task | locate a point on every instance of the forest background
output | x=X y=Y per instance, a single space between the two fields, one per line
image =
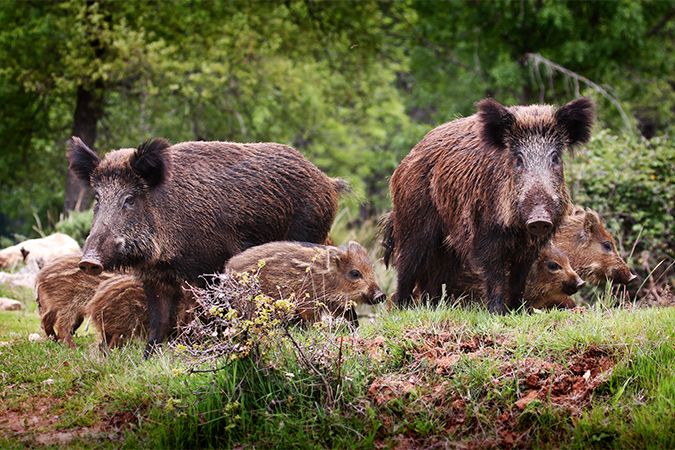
x=353 y=85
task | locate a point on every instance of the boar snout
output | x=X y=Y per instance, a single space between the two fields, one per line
x=91 y=264
x=378 y=297
x=539 y=222
x=580 y=283
x=571 y=287
x=624 y=277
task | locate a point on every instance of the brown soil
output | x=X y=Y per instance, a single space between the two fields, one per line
x=35 y=422
x=569 y=384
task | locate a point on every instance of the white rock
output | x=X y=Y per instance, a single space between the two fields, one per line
x=7 y=304
x=39 y=250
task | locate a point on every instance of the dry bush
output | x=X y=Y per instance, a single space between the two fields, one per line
x=233 y=318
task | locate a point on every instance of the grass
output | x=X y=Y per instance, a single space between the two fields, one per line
x=424 y=377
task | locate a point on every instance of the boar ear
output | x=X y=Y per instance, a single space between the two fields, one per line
x=496 y=122
x=354 y=246
x=336 y=256
x=576 y=120
x=592 y=223
x=151 y=161
x=82 y=160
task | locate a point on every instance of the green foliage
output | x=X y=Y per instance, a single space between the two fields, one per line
x=77 y=225
x=484 y=53
x=423 y=376
x=631 y=183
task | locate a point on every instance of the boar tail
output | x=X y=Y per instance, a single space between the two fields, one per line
x=342 y=186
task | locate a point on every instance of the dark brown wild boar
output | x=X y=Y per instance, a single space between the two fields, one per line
x=487 y=191
x=551 y=281
x=323 y=280
x=62 y=293
x=175 y=212
x=591 y=249
x=119 y=311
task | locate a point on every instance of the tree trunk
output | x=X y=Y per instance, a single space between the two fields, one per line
x=88 y=111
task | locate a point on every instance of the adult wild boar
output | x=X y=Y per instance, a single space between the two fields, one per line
x=321 y=279
x=591 y=249
x=486 y=190
x=175 y=212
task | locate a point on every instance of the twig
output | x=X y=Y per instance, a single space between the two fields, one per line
x=538 y=59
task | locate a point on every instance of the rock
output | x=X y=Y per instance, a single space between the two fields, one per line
x=7 y=304
x=38 y=250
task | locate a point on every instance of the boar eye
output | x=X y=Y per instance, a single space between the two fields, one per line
x=355 y=274
x=554 y=266
x=555 y=159
x=129 y=200
x=607 y=246
x=519 y=160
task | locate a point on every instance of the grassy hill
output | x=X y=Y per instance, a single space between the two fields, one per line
x=449 y=377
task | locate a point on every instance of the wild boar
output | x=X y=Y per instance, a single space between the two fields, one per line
x=174 y=212
x=62 y=293
x=322 y=279
x=119 y=311
x=487 y=191
x=551 y=281
x=591 y=249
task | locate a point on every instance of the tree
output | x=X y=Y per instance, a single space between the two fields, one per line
x=469 y=50
x=310 y=74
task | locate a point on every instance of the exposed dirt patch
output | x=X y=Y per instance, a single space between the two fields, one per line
x=570 y=386
x=567 y=383
x=36 y=422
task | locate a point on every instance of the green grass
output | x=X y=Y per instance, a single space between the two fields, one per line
x=419 y=377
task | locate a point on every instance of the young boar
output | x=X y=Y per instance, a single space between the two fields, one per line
x=119 y=311
x=62 y=293
x=487 y=191
x=330 y=280
x=591 y=249
x=175 y=212
x=551 y=281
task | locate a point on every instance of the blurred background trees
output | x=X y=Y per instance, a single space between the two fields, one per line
x=353 y=85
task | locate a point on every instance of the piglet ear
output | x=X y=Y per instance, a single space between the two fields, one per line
x=575 y=119
x=152 y=162
x=592 y=223
x=82 y=160
x=335 y=257
x=496 y=122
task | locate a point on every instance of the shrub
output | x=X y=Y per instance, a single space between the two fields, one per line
x=631 y=183
x=77 y=225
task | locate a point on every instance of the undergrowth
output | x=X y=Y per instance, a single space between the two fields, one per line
x=424 y=377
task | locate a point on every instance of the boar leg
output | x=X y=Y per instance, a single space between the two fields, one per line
x=162 y=303
x=443 y=272
x=66 y=329
x=516 y=288
x=404 y=292
x=490 y=262
x=68 y=340
x=48 y=324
